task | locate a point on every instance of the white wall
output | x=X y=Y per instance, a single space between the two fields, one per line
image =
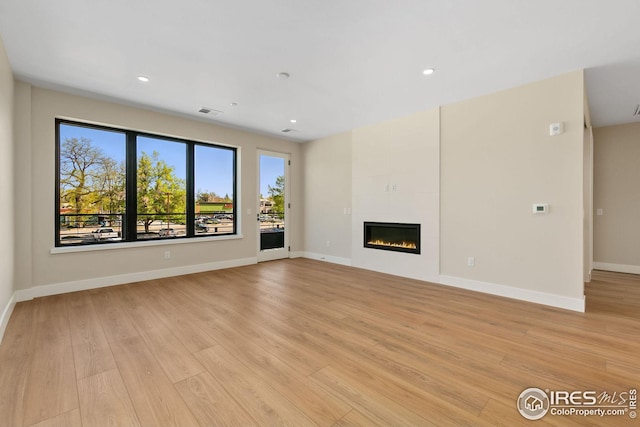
x=497 y=159
x=401 y=153
x=327 y=200
x=67 y=271
x=617 y=193
x=7 y=267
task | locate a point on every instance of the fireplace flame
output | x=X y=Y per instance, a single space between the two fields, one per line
x=406 y=245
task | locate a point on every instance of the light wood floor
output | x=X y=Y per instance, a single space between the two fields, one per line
x=300 y=342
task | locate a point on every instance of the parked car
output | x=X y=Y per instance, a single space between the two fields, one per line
x=104 y=233
x=167 y=232
x=200 y=227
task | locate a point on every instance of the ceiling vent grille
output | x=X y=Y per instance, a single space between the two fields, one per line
x=287 y=130
x=211 y=111
x=636 y=113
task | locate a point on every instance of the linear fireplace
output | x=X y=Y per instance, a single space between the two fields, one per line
x=392 y=236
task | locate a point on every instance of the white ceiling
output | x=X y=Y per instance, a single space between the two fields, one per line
x=352 y=62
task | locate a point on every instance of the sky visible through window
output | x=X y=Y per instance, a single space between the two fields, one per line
x=214 y=170
x=111 y=143
x=213 y=166
x=270 y=169
x=173 y=153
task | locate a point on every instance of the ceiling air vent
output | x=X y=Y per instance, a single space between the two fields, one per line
x=287 y=130
x=211 y=111
x=637 y=112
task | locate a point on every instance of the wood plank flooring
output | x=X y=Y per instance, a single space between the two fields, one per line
x=305 y=343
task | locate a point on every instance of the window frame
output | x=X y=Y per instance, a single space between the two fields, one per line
x=129 y=223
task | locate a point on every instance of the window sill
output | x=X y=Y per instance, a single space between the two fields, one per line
x=164 y=242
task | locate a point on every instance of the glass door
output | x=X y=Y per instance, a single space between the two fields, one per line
x=273 y=205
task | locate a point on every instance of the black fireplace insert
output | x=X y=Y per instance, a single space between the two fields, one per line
x=392 y=236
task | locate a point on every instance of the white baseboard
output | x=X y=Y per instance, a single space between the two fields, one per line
x=574 y=304
x=322 y=257
x=619 y=268
x=101 y=282
x=6 y=314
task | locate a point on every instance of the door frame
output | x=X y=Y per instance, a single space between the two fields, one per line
x=273 y=254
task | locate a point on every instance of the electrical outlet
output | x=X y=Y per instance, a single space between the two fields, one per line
x=328 y=243
x=471 y=262
x=167 y=254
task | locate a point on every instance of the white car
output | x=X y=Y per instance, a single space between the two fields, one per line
x=167 y=232
x=104 y=233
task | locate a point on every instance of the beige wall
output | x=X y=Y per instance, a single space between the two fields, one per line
x=469 y=173
x=617 y=193
x=497 y=159
x=395 y=178
x=327 y=190
x=7 y=267
x=23 y=218
x=588 y=202
x=38 y=133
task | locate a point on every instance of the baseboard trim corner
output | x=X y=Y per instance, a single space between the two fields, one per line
x=618 y=268
x=558 y=301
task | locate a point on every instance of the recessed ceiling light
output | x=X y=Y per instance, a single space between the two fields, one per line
x=293 y=120
x=428 y=71
x=143 y=79
x=283 y=75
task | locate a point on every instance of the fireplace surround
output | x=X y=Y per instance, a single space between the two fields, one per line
x=392 y=236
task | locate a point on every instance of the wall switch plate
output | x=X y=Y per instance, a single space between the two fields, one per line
x=599 y=212
x=471 y=262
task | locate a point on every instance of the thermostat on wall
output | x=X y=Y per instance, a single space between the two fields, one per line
x=540 y=208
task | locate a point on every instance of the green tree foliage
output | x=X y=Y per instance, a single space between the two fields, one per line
x=160 y=195
x=111 y=186
x=90 y=181
x=276 y=194
x=93 y=183
x=206 y=196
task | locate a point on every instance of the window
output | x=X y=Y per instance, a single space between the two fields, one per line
x=161 y=195
x=214 y=189
x=122 y=186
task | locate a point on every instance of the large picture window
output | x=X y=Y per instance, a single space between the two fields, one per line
x=122 y=186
